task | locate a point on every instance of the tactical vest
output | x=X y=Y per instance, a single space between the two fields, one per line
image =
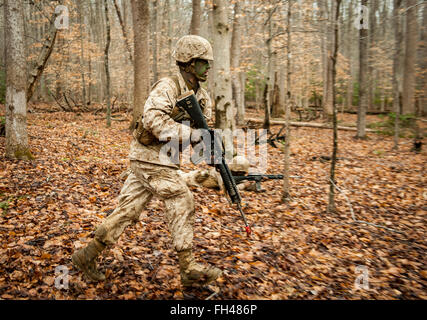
x=145 y=137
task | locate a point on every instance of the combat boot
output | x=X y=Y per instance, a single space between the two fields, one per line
x=193 y=273
x=85 y=258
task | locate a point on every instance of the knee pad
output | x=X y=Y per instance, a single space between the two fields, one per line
x=100 y=233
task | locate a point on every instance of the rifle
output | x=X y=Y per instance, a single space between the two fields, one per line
x=189 y=103
x=260 y=177
x=257 y=178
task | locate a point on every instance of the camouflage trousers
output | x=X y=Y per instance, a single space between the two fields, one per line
x=145 y=181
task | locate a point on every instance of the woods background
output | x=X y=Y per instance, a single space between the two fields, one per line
x=77 y=73
x=74 y=76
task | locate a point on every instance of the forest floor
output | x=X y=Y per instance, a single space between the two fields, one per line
x=50 y=207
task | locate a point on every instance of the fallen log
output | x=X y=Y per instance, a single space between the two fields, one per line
x=306 y=124
x=368 y=112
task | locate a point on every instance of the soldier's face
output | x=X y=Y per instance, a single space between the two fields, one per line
x=201 y=68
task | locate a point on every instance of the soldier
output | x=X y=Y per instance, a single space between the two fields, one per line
x=239 y=166
x=151 y=176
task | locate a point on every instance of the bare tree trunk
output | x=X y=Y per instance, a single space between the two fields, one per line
x=42 y=59
x=408 y=96
x=286 y=188
x=100 y=68
x=381 y=85
x=242 y=93
x=107 y=71
x=92 y=19
x=82 y=53
x=383 y=79
x=422 y=67
x=195 y=18
x=397 y=80
x=363 y=79
x=258 y=94
x=170 y=21
x=331 y=202
x=89 y=87
x=16 y=102
x=281 y=109
x=276 y=102
x=327 y=68
x=154 y=39
x=141 y=88
x=350 y=48
x=269 y=80
x=163 y=35
x=372 y=80
x=235 y=64
x=2 y=53
x=211 y=75
x=225 y=112
x=125 y=35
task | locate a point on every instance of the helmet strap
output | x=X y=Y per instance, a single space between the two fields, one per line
x=187 y=68
x=189 y=77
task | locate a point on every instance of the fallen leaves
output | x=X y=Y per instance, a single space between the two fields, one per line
x=296 y=251
x=394 y=271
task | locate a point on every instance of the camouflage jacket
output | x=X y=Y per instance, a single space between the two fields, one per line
x=160 y=116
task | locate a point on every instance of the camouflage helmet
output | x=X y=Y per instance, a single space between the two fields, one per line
x=192 y=47
x=239 y=164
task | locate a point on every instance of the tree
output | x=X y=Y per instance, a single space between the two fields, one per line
x=349 y=40
x=397 y=80
x=286 y=188
x=331 y=202
x=80 y=4
x=238 y=96
x=170 y=19
x=363 y=76
x=408 y=95
x=124 y=31
x=372 y=39
x=141 y=26
x=422 y=66
x=76 y=65
x=107 y=71
x=16 y=82
x=327 y=47
x=195 y=18
x=269 y=76
x=42 y=59
x=154 y=39
x=224 y=107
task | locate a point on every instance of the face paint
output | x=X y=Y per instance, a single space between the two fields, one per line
x=201 y=68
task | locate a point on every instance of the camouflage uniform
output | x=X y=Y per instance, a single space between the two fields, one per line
x=150 y=176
